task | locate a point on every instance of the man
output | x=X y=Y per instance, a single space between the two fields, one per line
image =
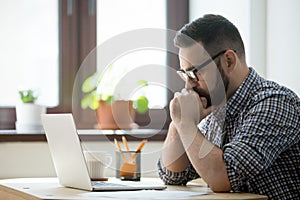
x=248 y=139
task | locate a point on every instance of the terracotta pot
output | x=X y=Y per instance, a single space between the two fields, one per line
x=118 y=115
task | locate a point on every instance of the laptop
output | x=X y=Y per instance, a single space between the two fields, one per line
x=69 y=161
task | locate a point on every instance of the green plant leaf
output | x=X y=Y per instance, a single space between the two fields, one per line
x=90 y=101
x=141 y=104
x=142 y=83
x=107 y=98
x=99 y=86
x=27 y=96
x=89 y=84
x=94 y=104
x=85 y=102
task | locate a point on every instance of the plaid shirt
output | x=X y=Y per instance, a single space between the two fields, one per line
x=262 y=140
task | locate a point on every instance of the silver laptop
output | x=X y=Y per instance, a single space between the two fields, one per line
x=69 y=161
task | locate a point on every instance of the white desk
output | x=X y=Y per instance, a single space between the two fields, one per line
x=49 y=188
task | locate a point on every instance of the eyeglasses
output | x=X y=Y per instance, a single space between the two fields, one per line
x=191 y=72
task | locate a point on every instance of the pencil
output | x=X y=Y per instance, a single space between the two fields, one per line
x=120 y=150
x=126 y=145
x=139 y=148
x=141 y=145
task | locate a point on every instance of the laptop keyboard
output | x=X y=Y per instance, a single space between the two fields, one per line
x=106 y=184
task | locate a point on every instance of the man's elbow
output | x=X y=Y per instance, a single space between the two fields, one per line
x=220 y=187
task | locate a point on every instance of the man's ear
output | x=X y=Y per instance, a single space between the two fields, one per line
x=231 y=59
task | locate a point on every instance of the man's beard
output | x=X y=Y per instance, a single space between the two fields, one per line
x=217 y=95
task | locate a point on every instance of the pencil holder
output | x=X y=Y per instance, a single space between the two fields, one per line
x=128 y=165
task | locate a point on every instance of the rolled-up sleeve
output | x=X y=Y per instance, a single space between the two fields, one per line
x=176 y=178
x=267 y=130
x=242 y=163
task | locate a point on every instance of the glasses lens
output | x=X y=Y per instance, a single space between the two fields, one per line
x=188 y=75
x=191 y=74
x=182 y=75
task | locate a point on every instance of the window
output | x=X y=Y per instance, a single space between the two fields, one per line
x=29 y=49
x=110 y=25
x=71 y=42
x=76 y=37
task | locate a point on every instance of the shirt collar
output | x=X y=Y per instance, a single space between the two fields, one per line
x=238 y=100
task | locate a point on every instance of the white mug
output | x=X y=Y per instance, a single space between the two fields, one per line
x=96 y=162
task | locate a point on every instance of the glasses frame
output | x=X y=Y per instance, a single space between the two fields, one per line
x=191 y=72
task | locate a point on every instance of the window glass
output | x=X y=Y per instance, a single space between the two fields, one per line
x=29 y=50
x=115 y=17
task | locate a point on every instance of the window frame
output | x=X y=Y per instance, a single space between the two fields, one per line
x=77 y=37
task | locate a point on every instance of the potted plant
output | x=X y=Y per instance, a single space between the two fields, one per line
x=114 y=111
x=29 y=113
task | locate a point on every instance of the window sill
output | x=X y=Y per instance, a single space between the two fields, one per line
x=88 y=135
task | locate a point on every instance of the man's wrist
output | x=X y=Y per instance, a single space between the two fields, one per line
x=187 y=127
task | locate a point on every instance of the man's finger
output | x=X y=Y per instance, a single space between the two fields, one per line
x=177 y=94
x=186 y=91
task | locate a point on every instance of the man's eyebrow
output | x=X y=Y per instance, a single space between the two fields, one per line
x=190 y=68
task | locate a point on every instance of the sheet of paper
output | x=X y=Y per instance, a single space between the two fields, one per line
x=146 y=194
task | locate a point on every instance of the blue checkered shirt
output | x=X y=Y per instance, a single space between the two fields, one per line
x=260 y=140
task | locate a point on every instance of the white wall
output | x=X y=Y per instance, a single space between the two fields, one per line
x=33 y=159
x=270 y=30
x=20 y=159
x=283 y=42
x=236 y=11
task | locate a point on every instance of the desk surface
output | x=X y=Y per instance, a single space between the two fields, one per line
x=49 y=188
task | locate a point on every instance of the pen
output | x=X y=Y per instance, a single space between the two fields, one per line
x=120 y=150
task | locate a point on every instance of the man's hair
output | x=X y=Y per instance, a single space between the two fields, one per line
x=215 y=33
